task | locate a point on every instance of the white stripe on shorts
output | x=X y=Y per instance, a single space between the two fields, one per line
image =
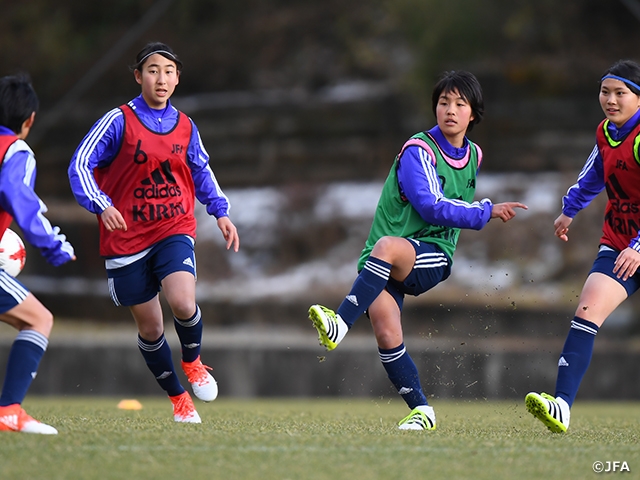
x=431 y=260
x=112 y=292
x=12 y=287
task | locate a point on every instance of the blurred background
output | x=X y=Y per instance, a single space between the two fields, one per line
x=302 y=107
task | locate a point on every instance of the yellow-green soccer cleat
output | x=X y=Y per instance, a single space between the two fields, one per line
x=421 y=418
x=553 y=412
x=331 y=328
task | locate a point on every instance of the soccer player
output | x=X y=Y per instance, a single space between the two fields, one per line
x=18 y=201
x=426 y=199
x=614 y=164
x=139 y=169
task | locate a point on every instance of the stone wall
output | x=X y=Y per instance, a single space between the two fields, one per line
x=463 y=357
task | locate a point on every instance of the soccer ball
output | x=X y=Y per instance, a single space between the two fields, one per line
x=13 y=255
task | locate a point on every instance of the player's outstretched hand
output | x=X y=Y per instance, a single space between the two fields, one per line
x=506 y=211
x=229 y=232
x=113 y=219
x=561 y=226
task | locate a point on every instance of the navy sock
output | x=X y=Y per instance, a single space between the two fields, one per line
x=190 y=334
x=157 y=354
x=403 y=374
x=575 y=358
x=25 y=355
x=366 y=288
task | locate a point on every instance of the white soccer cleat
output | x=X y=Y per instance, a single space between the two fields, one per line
x=13 y=418
x=183 y=409
x=553 y=412
x=203 y=384
x=422 y=417
x=34 y=426
x=331 y=328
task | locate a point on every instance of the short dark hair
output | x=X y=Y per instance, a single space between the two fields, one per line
x=467 y=86
x=18 y=100
x=159 y=48
x=627 y=69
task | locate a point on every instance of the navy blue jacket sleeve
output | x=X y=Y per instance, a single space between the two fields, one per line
x=590 y=183
x=97 y=149
x=208 y=191
x=18 y=198
x=419 y=182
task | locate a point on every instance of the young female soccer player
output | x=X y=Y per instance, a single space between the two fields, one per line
x=139 y=169
x=425 y=201
x=19 y=202
x=613 y=164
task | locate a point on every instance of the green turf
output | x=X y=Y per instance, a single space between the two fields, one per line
x=316 y=439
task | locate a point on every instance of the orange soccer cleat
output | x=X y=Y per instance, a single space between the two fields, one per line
x=13 y=418
x=203 y=384
x=183 y=409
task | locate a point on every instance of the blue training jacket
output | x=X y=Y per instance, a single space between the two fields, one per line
x=100 y=146
x=418 y=179
x=19 y=199
x=591 y=178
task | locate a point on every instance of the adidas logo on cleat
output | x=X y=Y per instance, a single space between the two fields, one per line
x=554 y=413
x=14 y=419
x=10 y=421
x=421 y=418
x=332 y=330
x=330 y=327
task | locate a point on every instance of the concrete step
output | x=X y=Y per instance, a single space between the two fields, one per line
x=250 y=362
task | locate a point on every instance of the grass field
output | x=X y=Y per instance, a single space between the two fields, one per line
x=316 y=439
